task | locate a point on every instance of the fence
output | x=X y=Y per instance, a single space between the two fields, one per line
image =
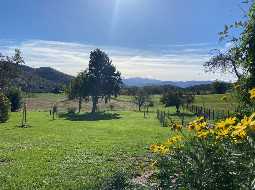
x=165 y=118
x=210 y=114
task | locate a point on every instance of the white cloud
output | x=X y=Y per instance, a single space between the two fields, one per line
x=169 y=63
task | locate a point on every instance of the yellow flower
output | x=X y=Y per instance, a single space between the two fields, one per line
x=175 y=139
x=162 y=149
x=198 y=124
x=223 y=129
x=175 y=126
x=203 y=134
x=252 y=93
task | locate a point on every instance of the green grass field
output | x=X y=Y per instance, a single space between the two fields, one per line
x=214 y=101
x=65 y=154
x=81 y=152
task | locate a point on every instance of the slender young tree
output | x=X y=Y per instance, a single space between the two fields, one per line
x=78 y=89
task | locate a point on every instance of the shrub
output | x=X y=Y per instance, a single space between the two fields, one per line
x=15 y=98
x=4 y=108
x=219 y=156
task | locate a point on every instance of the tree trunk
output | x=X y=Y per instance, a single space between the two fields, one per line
x=80 y=102
x=94 y=104
x=177 y=109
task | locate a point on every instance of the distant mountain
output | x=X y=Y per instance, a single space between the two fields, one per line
x=140 y=82
x=43 y=79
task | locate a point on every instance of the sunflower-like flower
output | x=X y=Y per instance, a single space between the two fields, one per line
x=252 y=93
x=175 y=126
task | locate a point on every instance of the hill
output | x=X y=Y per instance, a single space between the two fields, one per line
x=43 y=79
x=141 y=82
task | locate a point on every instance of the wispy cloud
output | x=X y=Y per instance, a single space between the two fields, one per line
x=174 y=62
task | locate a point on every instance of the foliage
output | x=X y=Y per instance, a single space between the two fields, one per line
x=240 y=57
x=100 y=80
x=15 y=97
x=141 y=98
x=8 y=68
x=219 y=156
x=219 y=87
x=176 y=99
x=79 y=88
x=4 y=108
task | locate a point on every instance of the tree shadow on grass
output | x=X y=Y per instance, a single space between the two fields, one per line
x=90 y=116
x=182 y=114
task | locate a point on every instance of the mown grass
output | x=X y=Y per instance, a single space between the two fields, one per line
x=73 y=154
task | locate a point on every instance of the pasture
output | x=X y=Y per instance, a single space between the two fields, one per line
x=73 y=154
x=78 y=151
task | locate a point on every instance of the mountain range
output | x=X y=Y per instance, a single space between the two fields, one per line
x=46 y=79
x=140 y=82
x=43 y=79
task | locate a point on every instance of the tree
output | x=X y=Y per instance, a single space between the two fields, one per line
x=240 y=57
x=103 y=78
x=140 y=98
x=219 y=87
x=15 y=98
x=79 y=89
x=9 y=68
x=100 y=81
x=229 y=61
x=173 y=99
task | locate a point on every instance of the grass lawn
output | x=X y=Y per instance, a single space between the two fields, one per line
x=77 y=154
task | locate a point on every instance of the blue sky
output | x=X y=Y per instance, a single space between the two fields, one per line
x=163 y=39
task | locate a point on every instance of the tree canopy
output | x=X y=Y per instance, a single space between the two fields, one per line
x=8 y=68
x=100 y=81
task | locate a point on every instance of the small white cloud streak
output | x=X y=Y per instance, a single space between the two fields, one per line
x=71 y=58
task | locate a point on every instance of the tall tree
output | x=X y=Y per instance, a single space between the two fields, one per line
x=104 y=79
x=100 y=81
x=9 y=68
x=240 y=58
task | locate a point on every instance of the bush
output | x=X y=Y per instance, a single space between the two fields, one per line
x=4 y=108
x=71 y=110
x=219 y=156
x=15 y=98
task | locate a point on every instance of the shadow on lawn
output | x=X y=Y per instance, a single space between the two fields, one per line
x=182 y=114
x=90 y=117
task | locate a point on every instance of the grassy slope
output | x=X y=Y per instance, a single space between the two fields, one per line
x=65 y=154
x=214 y=101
